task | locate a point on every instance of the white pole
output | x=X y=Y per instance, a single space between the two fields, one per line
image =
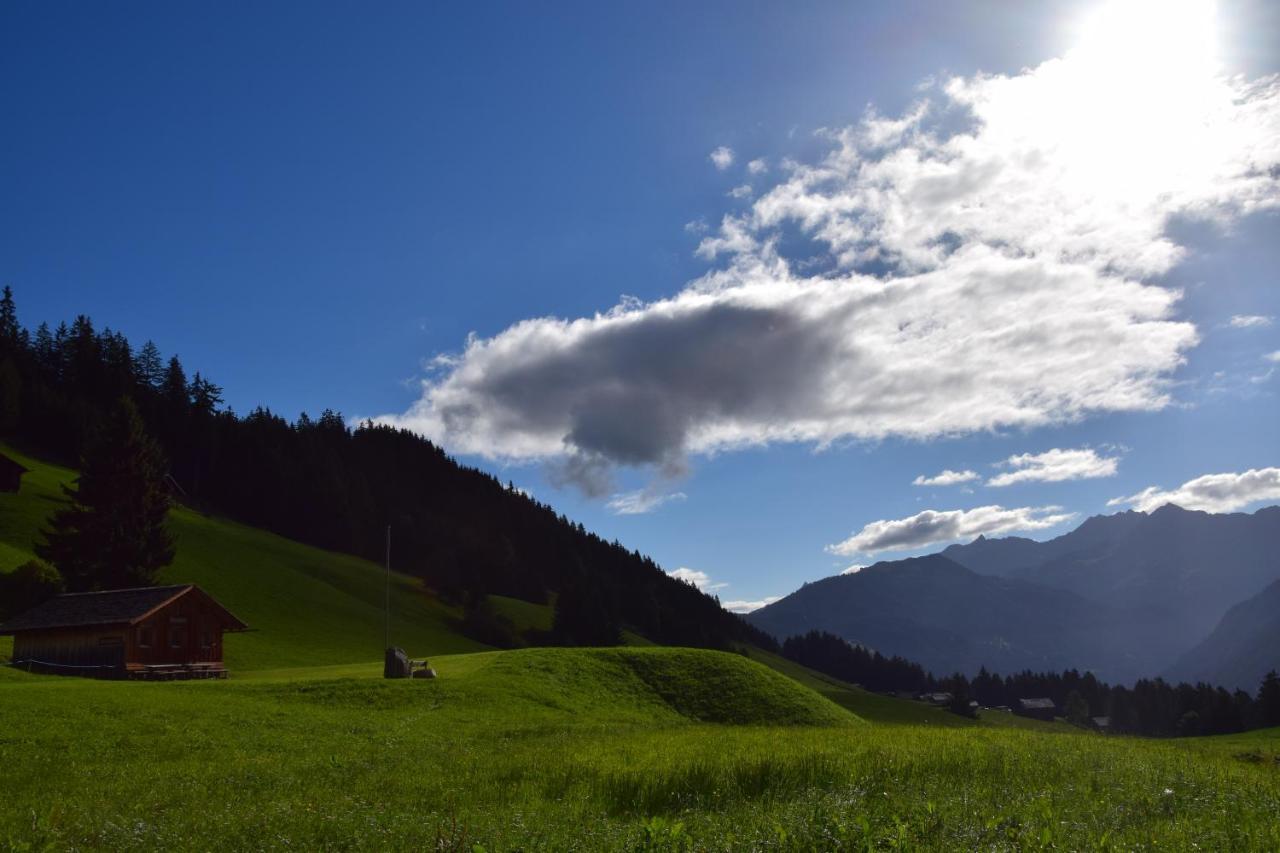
x=387 y=636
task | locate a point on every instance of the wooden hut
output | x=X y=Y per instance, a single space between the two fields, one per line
x=160 y=632
x=10 y=474
x=1039 y=709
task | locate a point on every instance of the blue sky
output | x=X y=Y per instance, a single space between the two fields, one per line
x=311 y=202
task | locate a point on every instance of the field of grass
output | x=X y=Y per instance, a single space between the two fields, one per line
x=587 y=749
x=306 y=747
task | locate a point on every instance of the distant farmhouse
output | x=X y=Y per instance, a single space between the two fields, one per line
x=1039 y=709
x=161 y=632
x=10 y=474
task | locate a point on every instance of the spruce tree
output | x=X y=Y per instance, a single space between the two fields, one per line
x=1077 y=709
x=114 y=534
x=46 y=353
x=1269 y=700
x=10 y=331
x=148 y=366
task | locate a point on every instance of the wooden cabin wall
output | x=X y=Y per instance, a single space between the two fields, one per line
x=187 y=630
x=73 y=647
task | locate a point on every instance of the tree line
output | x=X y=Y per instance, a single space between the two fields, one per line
x=1151 y=707
x=323 y=482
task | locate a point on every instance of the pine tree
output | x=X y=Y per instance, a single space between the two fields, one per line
x=1077 y=709
x=10 y=331
x=1269 y=700
x=114 y=534
x=10 y=395
x=46 y=351
x=582 y=617
x=148 y=366
x=204 y=395
x=174 y=387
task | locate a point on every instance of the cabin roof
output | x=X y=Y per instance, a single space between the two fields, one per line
x=112 y=607
x=1038 y=704
x=13 y=464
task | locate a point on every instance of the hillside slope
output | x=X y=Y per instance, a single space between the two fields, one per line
x=305 y=606
x=1241 y=650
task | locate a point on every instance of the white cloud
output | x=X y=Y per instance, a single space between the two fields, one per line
x=722 y=157
x=1250 y=321
x=640 y=501
x=934 y=526
x=979 y=263
x=946 y=478
x=696 y=226
x=1211 y=493
x=741 y=606
x=1054 y=466
x=758 y=166
x=1273 y=356
x=740 y=192
x=854 y=569
x=699 y=579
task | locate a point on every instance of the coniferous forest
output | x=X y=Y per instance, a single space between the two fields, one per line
x=1151 y=707
x=322 y=482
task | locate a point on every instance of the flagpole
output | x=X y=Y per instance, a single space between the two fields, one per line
x=387 y=634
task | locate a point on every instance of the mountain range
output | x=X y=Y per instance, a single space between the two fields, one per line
x=1176 y=592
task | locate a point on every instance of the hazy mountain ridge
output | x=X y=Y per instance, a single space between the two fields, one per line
x=1124 y=595
x=949 y=618
x=1173 y=564
x=1242 y=649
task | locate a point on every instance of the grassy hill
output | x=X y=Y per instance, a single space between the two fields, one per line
x=657 y=749
x=629 y=748
x=307 y=607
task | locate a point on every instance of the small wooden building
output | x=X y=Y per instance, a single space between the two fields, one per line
x=161 y=632
x=1039 y=709
x=10 y=474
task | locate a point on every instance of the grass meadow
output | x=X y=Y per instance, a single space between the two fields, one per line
x=306 y=747
x=582 y=749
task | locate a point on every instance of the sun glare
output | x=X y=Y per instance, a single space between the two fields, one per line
x=1171 y=39
x=1134 y=102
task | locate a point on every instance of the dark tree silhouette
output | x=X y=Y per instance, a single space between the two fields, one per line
x=114 y=534
x=28 y=585
x=148 y=366
x=1269 y=700
x=1077 y=709
x=10 y=331
x=584 y=618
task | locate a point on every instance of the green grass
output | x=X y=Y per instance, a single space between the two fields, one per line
x=587 y=749
x=305 y=606
x=524 y=615
x=306 y=747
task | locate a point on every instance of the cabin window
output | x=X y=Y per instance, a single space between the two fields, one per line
x=146 y=636
x=177 y=632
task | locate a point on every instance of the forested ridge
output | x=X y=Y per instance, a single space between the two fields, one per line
x=322 y=482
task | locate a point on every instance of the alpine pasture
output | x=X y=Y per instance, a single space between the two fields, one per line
x=629 y=748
